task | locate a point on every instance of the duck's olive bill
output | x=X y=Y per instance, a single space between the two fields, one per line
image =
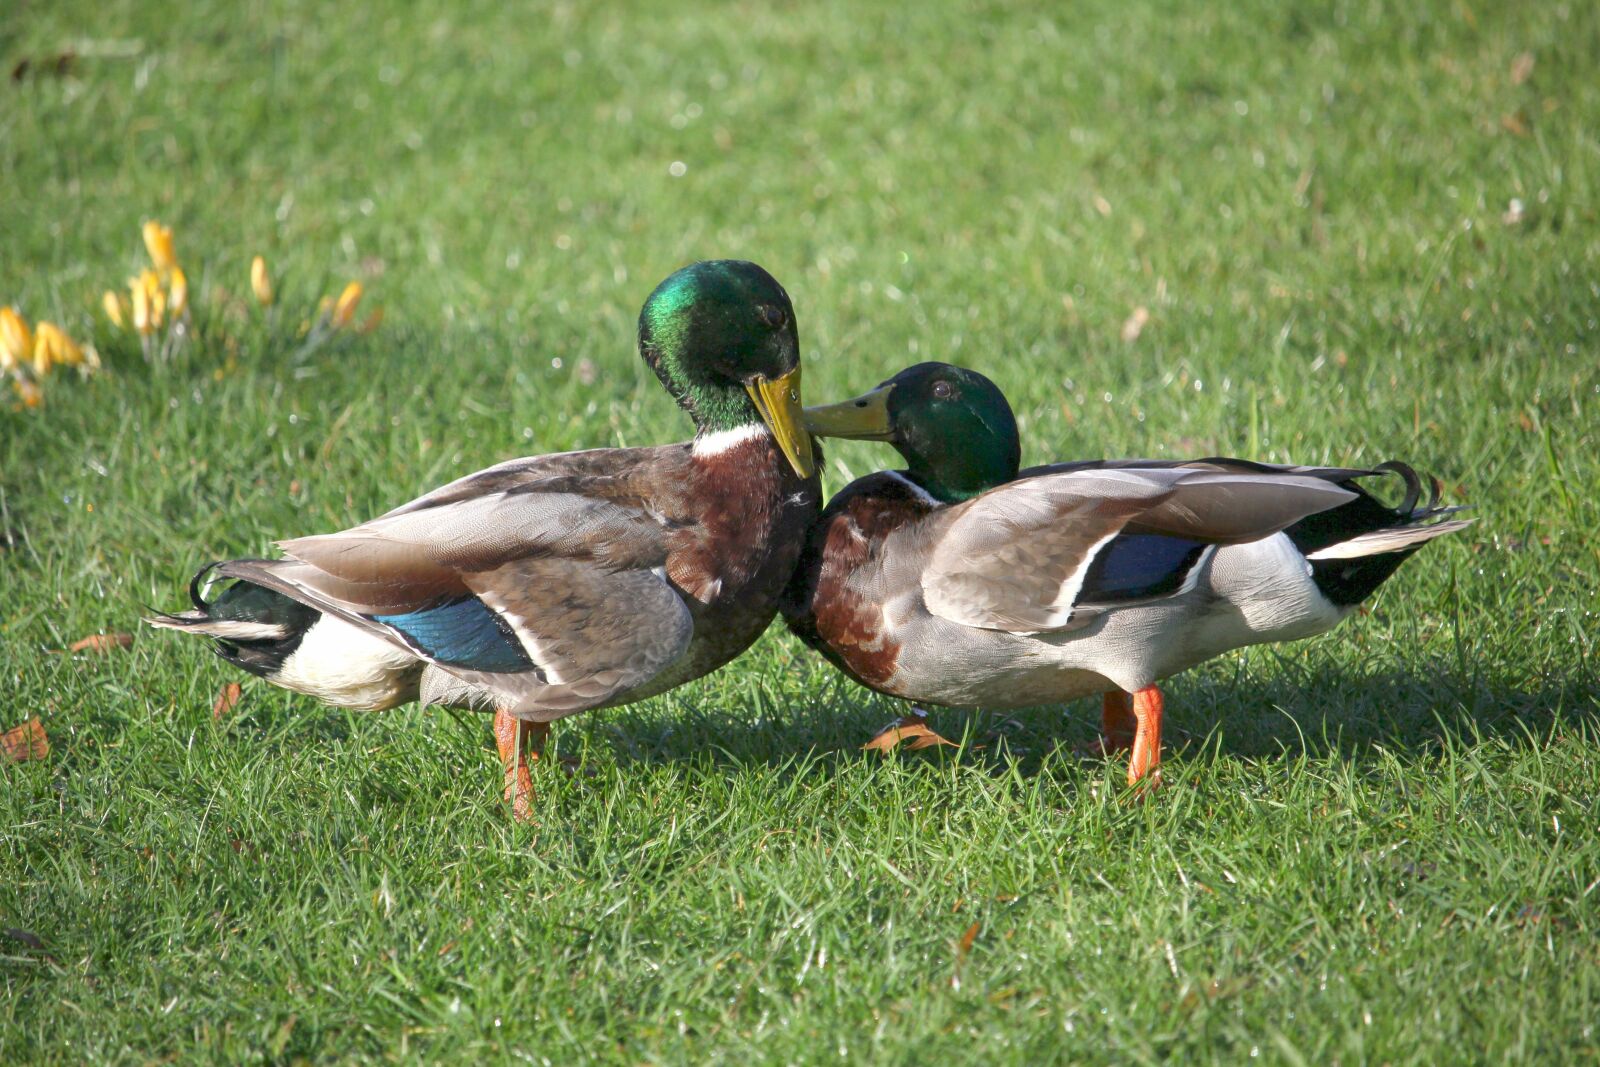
x=866 y=418
x=778 y=402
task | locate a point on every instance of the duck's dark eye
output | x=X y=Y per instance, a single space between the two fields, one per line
x=774 y=316
x=942 y=390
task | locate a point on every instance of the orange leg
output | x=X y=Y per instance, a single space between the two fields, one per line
x=1144 y=761
x=1117 y=723
x=1117 y=726
x=521 y=743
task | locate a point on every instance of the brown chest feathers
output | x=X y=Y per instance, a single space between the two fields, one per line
x=827 y=605
x=739 y=514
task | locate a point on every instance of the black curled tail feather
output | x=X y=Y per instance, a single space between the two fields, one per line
x=1354 y=548
x=252 y=627
x=195 y=596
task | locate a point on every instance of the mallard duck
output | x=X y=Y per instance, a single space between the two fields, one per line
x=556 y=584
x=960 y=581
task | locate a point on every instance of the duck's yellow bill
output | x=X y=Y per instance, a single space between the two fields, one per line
x=778 y=402
x=866 y=418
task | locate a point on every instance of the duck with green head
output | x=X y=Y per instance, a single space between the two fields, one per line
x=555 y=584
x=963 y=581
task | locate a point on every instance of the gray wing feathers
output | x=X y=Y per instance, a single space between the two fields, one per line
x=595 y=634
x=431 y=546
x=1015 y=558
x=1228 y=508
x=577 y=579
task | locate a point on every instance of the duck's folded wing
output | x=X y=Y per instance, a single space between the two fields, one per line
x=555 y=601
x=1016 y=558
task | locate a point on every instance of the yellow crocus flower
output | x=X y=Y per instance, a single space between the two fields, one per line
x=155 y=299
x=45 y=348
x=158 y=242
x=344 y=309
x=178 y=293
x=67 y=351
x=113 y=305
x=260 y=283
x=16 y=343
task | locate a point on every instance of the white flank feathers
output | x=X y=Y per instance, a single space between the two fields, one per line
x=348 y=667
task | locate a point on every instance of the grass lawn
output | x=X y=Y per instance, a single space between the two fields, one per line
x=1356 y=230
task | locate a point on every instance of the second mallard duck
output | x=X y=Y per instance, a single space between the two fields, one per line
x=962 y=582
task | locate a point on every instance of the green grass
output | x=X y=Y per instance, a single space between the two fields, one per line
x=1377 y=846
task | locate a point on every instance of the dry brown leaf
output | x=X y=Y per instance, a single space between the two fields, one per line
x=101 y=643
x=1514 y=123
x=1135 y=324
x=26 y=742
x=964 y=946
x=1521 y=68
x=227 y=700
x=914 y=735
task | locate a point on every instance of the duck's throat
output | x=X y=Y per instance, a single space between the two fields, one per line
x=718 y=409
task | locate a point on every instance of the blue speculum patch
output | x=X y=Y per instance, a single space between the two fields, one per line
x=1134 y=566
x=462 y=633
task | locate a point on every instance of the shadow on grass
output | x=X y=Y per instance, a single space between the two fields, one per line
x=1315 y=713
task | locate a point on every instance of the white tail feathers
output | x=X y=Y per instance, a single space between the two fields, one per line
x=1389 y=539
x=226 y=629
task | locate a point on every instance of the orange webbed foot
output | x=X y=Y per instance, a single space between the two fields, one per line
x=911 y=730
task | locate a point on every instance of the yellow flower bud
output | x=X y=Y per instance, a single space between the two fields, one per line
x=178 y=293
x=158 y=307
x=260 y=284
x=344 y=309
x=158 y=242
x=141 y=307
x=113 y=305
x=16 y=343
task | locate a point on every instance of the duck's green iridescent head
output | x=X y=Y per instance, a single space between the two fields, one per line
x=721 y=336
x=952 y=425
